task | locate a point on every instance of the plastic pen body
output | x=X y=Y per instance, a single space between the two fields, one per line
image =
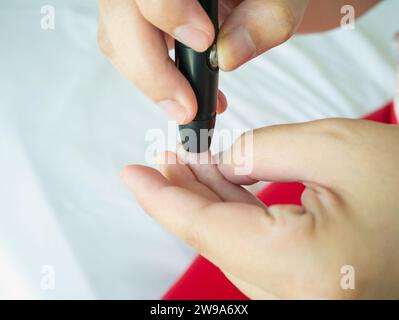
x=201 y=71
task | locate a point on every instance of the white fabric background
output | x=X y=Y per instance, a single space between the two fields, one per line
x=69 y=123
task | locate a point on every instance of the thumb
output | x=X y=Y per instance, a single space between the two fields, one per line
x=256 y=26
x=306 y=152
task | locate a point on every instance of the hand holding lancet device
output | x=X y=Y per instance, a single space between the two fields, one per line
x=202 y=72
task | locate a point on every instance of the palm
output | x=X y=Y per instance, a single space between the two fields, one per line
x=205 y=180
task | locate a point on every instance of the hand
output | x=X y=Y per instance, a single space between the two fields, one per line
x=349 y=215
x=134 y=35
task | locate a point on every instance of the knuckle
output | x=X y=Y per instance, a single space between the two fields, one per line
x=341 y=130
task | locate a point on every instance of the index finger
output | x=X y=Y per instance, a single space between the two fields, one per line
x=140 y=53
x=185 y=20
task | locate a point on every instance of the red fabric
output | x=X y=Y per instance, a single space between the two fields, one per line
x=204 y=281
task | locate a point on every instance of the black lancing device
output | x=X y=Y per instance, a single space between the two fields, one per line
x=202 y=72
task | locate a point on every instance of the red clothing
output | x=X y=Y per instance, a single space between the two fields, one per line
x=204 y=281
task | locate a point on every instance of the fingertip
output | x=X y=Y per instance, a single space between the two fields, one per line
x=199 y=39
x=191 y=112
x=222 y=102
x=128 y=171
x=231 y=173
x=181 y=112
x=189 y=102
x=132 y=174
x=235 y=48
x=233 y=167
x=168 y=162
x=166 y=158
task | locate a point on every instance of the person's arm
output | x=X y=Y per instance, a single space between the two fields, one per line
x=323 y=15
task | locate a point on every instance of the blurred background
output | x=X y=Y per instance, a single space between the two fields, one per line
x=69 y=123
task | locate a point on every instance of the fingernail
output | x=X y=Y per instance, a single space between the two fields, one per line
x=192 y=37
x=236 y=48
x=174 y=110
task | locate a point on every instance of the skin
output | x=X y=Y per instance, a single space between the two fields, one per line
x=349 y=167
x=349 y=214
x=135 y=36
